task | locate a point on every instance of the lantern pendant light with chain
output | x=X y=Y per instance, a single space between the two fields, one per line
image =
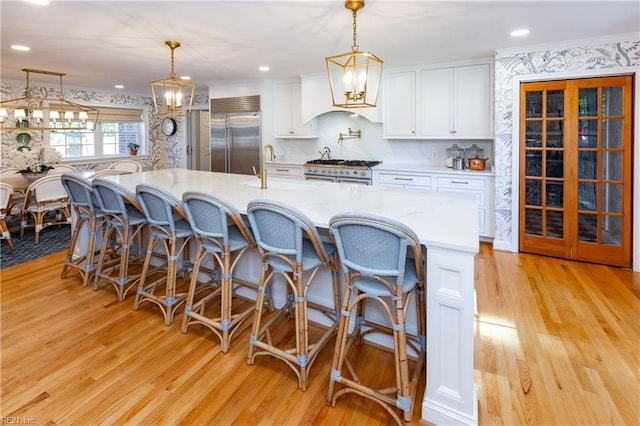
x=168 y=98
x=354 y=77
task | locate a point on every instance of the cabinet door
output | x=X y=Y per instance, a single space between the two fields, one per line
x=400 y=104
x=283 y=111
x=288 y=110
x=436 y=103
x=472 y=107
x=455 y=103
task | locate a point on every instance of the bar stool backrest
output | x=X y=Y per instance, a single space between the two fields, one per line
x=80 y=192
x=114 y=198
x=159 y=206
x=374 y=245
x=209 y=216
x=280 y=229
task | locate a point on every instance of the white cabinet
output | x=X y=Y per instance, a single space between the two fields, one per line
x=438 y=103
x=455 y=103
x=404 y=180
x=287 y=111
x=481 y=187
x=285 y=171
x=400 y=104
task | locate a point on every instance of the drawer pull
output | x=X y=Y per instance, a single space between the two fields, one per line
x=407 y=179
x=460 y=182
x=282 y=170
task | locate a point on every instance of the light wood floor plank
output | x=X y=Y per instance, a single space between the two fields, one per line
x=556 y=344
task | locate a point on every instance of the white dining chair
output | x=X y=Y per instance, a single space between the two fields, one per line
x=61 y=168
x=128 y=166
x=6 y=194
x=44 y=196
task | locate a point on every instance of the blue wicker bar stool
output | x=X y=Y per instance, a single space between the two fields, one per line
x=87 y=213
x=290 y=245
x=125 y=224
x=223 y=236
x=382 y=261
x=170 y=231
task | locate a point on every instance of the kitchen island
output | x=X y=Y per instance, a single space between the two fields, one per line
x=446 y=225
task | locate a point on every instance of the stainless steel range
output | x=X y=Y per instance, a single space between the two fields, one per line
x=348 y=171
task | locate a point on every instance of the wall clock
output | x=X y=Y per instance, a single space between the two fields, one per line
x=169 y=126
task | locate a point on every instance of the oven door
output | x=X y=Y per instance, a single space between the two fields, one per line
x=316 y=177
x=354 y=181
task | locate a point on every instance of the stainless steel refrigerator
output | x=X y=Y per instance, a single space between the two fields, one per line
x=235 y=141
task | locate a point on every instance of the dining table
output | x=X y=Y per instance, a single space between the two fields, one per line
x=447 y=227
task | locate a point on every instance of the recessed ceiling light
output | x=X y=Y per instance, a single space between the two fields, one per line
x=119 y=86
x=519 y=33
x=185 y=77
x=20 y=47
x=263 y=68
x=38 y=2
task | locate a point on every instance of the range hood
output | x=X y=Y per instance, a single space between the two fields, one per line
x=316 y=100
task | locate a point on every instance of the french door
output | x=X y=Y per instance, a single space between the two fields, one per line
x=575 y=169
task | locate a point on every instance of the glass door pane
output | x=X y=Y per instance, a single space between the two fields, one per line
x=543 y=169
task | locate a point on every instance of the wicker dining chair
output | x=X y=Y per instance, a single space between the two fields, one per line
x=46 y=203
x=127 y=166
x=222 y=236
x=88 y=218
x=105 y=173
x=290 y=246
x=60 y=169
x=171 y=233
x=382 y=261
x=6 y=196
x=125 y=223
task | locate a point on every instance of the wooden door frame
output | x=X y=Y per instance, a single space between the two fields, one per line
x=515 y=146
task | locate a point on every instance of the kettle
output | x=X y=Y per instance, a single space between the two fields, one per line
x=325 y=154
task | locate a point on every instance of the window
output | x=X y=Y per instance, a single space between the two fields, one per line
x=116 y=129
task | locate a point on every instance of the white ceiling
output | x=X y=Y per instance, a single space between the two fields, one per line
x=102 y=43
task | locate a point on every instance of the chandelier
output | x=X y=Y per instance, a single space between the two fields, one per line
x=354 y=76
x=168 y=99
x=40 y=113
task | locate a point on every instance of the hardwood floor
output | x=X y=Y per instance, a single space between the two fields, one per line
x=556 y=343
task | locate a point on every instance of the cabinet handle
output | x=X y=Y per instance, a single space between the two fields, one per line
x=282 y=170
x=413 y=132
x=460 y=182
x=407 y=179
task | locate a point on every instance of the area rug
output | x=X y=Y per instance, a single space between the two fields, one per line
x=52 y=239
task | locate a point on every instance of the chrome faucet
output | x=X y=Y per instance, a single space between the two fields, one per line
x=263 y=173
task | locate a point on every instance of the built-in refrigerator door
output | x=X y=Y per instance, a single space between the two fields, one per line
x=219 y=143
x=244 y=130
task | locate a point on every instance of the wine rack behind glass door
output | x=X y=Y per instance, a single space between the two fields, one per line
x=575 y=159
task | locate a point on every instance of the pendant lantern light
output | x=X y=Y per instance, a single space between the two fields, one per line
x=168 y=98
x=354 y=77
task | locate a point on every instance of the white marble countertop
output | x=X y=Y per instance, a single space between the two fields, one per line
x=402 y=167
x=445 y=220
x=429 y=168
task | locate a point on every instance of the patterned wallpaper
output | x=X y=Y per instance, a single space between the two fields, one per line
x=625 y=53
x=162 y=151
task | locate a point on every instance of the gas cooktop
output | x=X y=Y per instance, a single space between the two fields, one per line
x=343 y=163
